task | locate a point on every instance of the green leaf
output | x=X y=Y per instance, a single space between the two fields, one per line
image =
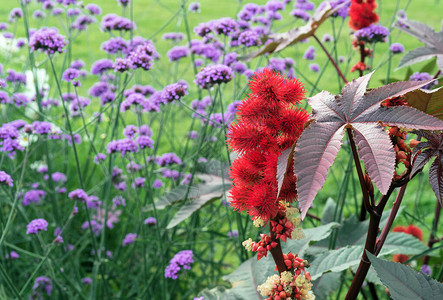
x=325 y=285
x=311 y=235
x=218 y=293
x=403 y=243
x=249 y=275
x=429 y=67
x=430 y=102
x=327 y=215
x=404 y=283
x=335 y=260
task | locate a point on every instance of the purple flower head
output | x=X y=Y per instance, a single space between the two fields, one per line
x=372 y=33
x=123 y=146
x=203 y=29
x=194 y=7
x=33 y=196
x=67 y=2
x=300 y=14
x=38 y=14
x=341 y=59
x=77 y=64
x=58 y=177
x=78 y=194
x=94 y=9
x=143 y=56
x=168 y=159
x=87 y=280
x=304 y=5
x=98 y=89
x=230 y=58
x=47 y=40
x=3 y=26
x=42 y=285
x=157 y=184
x=145 y=130
x=327 y=38
x=129 y=239
x=172 y=174
x=15 y=77
x=144 y=141
x=225 y=26
x=182 y=259
x=20 y=100
x=124 y=2
x=193 y=135
x=57 y=11
x=58 y=240
x=396 y=48
x=417 y=76
x=178 y=52
x=151 y=221
x=309 y=54
x=72 y=12
x=93 y=202
x=4 y=97
x=82 y=22
x=12 y=255
x=130 y=131
x=36 y=225
x=21 y=43
x=101 y=66
x=48 y=5
x=122 y=64
x=212 y=75
x=115 y=22
x=133 y=167
x=139 y=182
x=5 y=179
x=118 y=201
x=314 y=67
x=426 y=269
x=249 y=38
x=115 y=45
x=274 y=6
x=174 y=91
x=132 y=100
x=15 y=13
x=239 y=67
x=99 y=157
x=70 y=74
x=174 y=36
x=233 y=233
x=341 y=12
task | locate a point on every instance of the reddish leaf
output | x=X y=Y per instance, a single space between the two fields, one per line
x=430 y=102
x=436 y=178
x=355 y=108
x=283 y=164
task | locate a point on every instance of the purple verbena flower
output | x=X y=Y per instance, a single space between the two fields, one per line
x=33 y=196
x=41 y=285
x=36 y=225
x=425 y=269
x=101 y=66
x=194 y=7
x=178 y=52
x=78 y=194
x=182 y=259
x=225 y=26
x=314 y=67
x=115 y=22
x=151 y=221
x=157 y=184
x=70 y=74
x=372 y=33
x=212 y=75
x=174 y=36
x=94 y=9
x=309 y=54
x=300 y=14
x=99 y=157
x=396 y=48
x=417 y=76
x=129 y=239
x=47 y=40
x=174 y=91
x=5 y=179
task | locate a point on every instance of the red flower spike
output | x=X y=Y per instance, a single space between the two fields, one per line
x=361 y=14
x=267 y=124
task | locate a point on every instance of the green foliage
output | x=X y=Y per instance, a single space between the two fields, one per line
x=404 y=283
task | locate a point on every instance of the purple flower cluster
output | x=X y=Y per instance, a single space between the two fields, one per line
x=5 y=179
x=168 y=159
x=42 y=285
x=212 y=75
x=99 y=157
x=15 y=77
x=115 y=22
x=115 y=45
x=397 y=48
x=178 y=52
x=248 y=11
x=309 y=54
x=417 y=76
x=82 y=22
x=300 y=14
x=182 y=259
x=12 y=255
x=33 y=196
x=174 y=91
x=70 y=74
x=47 y=40
x=36 y=225
x=194 y=7
x=225 y=26
x=129 y=239
x=249 y=38
x=174 y=36
x=343 y=5
x=151 y=221
x=94 y=9
x=101 y=66
x=372 y=33
x=314 y=68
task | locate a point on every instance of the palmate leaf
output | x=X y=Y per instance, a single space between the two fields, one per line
x=404 y=283
x=280 y=41
x=430 y=102
x=425 y=34
x=423 y=153
x=360 y=110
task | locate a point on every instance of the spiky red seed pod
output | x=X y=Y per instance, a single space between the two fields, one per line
x=267 y=84
x=361 y=14
x=282 y=295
